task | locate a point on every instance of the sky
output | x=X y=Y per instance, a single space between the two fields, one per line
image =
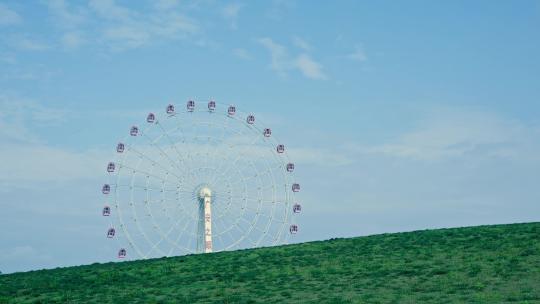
x=399 y=116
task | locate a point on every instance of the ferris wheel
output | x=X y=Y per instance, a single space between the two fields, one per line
x=200 y=178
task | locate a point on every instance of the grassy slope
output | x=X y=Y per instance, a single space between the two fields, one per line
x=489 y=264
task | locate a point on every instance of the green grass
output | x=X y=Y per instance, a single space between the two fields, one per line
x=486 y=264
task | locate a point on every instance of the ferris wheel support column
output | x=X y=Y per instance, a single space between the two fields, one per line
x=205 y=197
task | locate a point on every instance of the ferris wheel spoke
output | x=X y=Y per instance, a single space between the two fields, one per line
x=153 y=143
x=152 y=161
x=134 y=170
x=173 y=145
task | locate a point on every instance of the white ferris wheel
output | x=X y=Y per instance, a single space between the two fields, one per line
x=199 y=179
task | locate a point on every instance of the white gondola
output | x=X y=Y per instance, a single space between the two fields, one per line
x=134 y=131
x=170 y=109
x=120 y=147
x=122 y=253
x=106 y=189
x=293 y=229
x=231 y=110
x=110 y=233
x=290 y=167
x=190 y=106
x=150 y=118
x=211 y=106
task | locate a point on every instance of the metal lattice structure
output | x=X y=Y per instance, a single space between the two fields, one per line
x=199 y=178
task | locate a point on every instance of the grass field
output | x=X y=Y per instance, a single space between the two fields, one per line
x=486 y=264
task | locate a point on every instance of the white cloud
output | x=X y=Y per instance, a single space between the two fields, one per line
x=230 y=12
x=72 y=40
x=278 y=54
x=166 y=4
x=16 y=113
x=242 y=53
x=64 y=15
x=28 y=44
x=358 y=55
x=8 y=16
x=126 y=28
x=108 y=9
x=301 y=43
x=309 y=67
x=451 y=134
x=281 y=61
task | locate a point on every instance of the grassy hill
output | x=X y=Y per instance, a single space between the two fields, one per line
x=486 y=264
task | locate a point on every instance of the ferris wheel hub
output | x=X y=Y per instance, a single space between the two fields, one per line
x=204 y=191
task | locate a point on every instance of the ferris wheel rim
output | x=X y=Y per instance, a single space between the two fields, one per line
x=216 y=177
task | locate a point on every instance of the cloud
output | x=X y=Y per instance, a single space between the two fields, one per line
x=17 y=113
x=28 y=44
x=278 y=55
x=72 y=40
x=242 y=53
x=8 y=16
x=230 y=12
x=309 y=67
x=64 y=15
x=358 y=55
x=300 y=43
x=451 y=134
x=166 y=4
x=126 y=28
x=281 y=61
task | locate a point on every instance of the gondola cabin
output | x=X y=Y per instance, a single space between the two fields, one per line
x=110 y=233
x=293 y=229
x=120 y=148
x=267 y=132
x=106 y=211
x=150 y=118
x=250 y=119
x=134 y=131
x=110 y=167
x=170 y=109
x=106 y=189
x=122 y=253
x=280 y=148
x=290 y=167
x=190 y=105
x=231 y=110
x=297 y=208
x=211 y=106
x=296 y=187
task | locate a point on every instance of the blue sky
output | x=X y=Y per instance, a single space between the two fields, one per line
x=399 y=115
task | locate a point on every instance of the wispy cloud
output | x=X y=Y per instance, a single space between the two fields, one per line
x=301 y=43
x=29 y=44
x=72 y=40
x=451 y=134
x=281 y=61
x=16 y=114
x=8 y=16
x=65 y=15
x=230 y=13
x=309 y=67
x=242 y=53
x=166 y=4
x=126 y=28
x=358 y=54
